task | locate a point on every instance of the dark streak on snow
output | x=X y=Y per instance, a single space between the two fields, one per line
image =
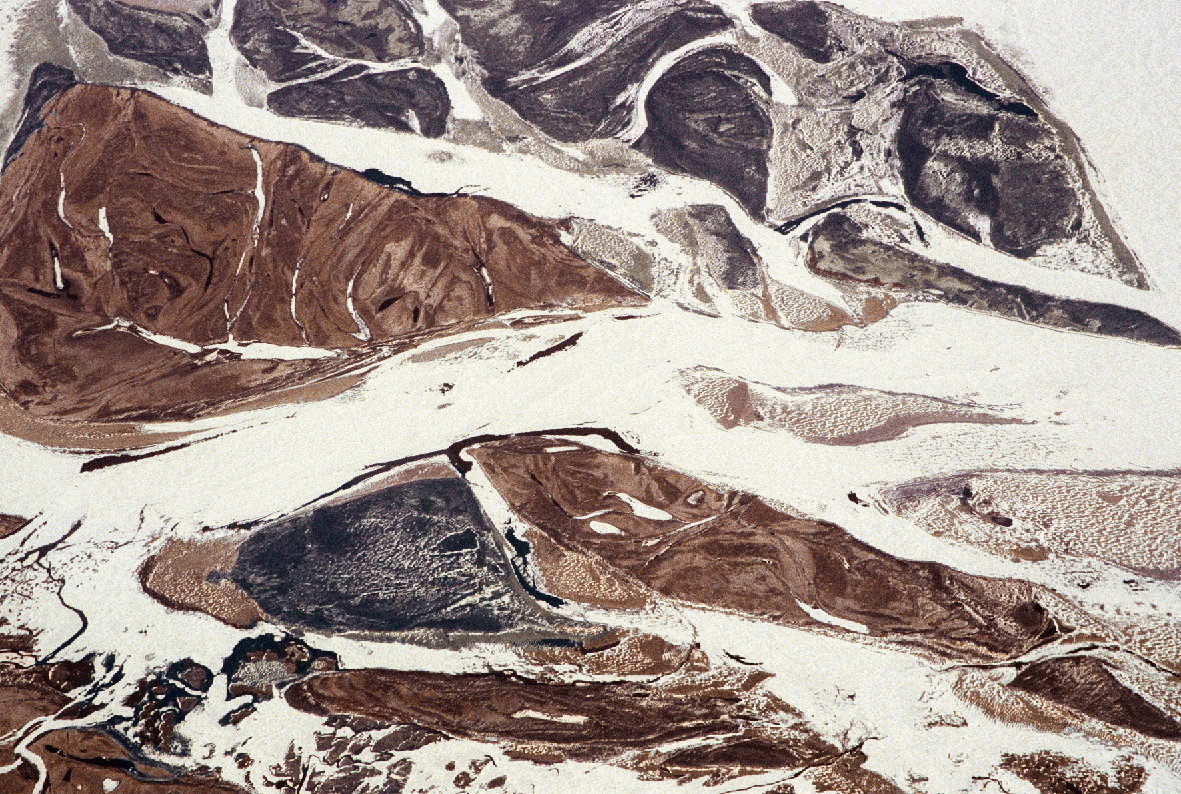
x=565 y=344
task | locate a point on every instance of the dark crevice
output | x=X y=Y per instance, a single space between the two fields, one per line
x=81 y=615
x=793 y=223
x=44 y=549
x=375 y=470
x=521 y=547
x=463 y=466
x=379 y=177
x=385 y=304
x=956 y=74
x=105 y=461
x=565 y=344
x=121 y=764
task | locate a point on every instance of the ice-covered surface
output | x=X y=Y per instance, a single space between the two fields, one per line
x=1082 y=403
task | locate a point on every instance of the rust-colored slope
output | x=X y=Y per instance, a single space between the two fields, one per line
x=126 y=209
x=733 y=550
x=695 y=723
x=75 y=758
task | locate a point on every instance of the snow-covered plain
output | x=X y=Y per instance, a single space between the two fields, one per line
x=1089 y=403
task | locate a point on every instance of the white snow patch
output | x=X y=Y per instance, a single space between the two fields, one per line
x=570 y=719
x=248 y=350
x=121 y=324
x=603 y=528
x=362 y=332
x=102 y=224
x=819 y=614
x=61 y=201
x=259 y=350
x=260 y=195
x=642 y=509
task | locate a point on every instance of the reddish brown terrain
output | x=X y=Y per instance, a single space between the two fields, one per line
x=695 y=395
x=732 y=550
x=132 y=216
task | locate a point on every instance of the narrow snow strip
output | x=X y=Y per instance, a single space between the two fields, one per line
x=573 y=719
x=833 y=620
x=781 y=93
x=644 y=510
x=294 y=318
x=259 y=195
x=61 y=201
x=362 y=329
x=247 y=350
x=102 y=224
x=261 y=350
x=120 y=324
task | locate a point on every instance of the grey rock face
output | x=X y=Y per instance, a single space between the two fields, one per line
x=419 y=555
x=708 y=117
x=840 y=248
x=46 y=82
x=730 y=256
x=175 y=42
x=406 y=99
x=804 y=25
x=1086 y=684
x=567 y=65
x=281 y=37
x=931 y=111
x=987 y=168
